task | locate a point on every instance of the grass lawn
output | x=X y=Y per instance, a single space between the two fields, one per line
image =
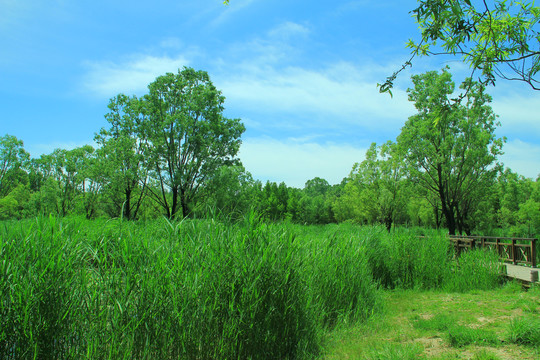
x=484 y=325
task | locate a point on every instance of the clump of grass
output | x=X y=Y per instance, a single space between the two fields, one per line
x=485 y=355
x=459 y=336
x=475 y=270
x=395 y=352
x=402 y=259
x=525 y=331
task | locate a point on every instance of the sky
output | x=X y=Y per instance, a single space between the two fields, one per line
x=301 y=75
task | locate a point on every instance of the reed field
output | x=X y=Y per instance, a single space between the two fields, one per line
x=205 y=289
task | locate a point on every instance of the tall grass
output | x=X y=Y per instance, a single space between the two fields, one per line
x=197 y=289
x=340 y=278
x=475 y=270
x=194 y=290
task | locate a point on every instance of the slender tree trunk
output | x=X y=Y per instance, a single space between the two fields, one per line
x=446 y=206
x=184 y=203
x=388 y=222
x=127 y=205
x=174 y=202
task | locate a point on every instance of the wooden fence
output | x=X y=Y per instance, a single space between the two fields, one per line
x=520 y=251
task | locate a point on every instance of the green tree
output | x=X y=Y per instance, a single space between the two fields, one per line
x=121 y=155
x=348 y=206
x=189 y=138
x=69 y=170
x=230 y=190
x=14 y=205
x=498 y=38
x=13 y=158
x=315 y=206
x=451 y=151
x=377 y=183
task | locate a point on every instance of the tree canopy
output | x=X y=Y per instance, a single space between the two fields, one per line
x=451 y=151
x=189 y=138
x=498 y=39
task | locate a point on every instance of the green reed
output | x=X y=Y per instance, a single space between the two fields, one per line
x=193 y=289
x=197 y=289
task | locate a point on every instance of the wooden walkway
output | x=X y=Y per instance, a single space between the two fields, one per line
x=522 y=273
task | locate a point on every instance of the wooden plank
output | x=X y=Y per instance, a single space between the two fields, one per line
x=522 y=272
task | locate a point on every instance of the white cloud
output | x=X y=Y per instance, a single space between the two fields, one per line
x=288 y=30
x=36 y=150
x=522 y=158
x=342 y=92
x=294 y=163
x=131 y=76
x=518 y=113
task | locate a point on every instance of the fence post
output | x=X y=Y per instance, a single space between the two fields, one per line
x=514 y=260
x=533 y=253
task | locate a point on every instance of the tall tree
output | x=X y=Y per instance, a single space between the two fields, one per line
x=377 y=183
x=121 y=155
x=70 y=174
x=497 y=38
x=189 y=138
x=314 y=206
x=13 y=157
x=451 y=150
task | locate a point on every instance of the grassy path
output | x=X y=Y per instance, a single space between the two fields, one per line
x=483 y=325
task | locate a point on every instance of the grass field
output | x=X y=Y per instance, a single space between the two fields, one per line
x=203 y=289
x=500 y=324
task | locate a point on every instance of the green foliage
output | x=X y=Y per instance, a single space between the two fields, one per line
x=525 y=330
x=451 y=150
x=120 y=164
x=13 y=158
x=14 y=205
x=459 y=336
x=404 y=260
x=475 y=269
x=374 y=193
x=395 y=352
x=498 y=38
x=188 y=137
x=341 y=279
x=192 y=289
x=485 y=355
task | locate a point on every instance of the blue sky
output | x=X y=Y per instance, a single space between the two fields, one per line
x=301 y=75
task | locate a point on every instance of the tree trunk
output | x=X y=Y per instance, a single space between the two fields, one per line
x=184 y=203
x=127 y=204
x=172 y=213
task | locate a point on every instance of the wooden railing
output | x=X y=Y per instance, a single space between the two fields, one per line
x=516 y=250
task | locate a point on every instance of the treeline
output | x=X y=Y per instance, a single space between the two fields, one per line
x=172 y=153
x=69 y=182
